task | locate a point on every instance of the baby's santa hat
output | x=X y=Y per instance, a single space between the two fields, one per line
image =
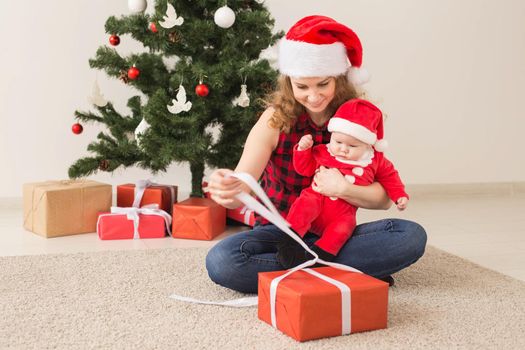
x=362 y=120
x=318 y=46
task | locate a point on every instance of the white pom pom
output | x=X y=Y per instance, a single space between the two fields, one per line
x=381 y=145
x=358 y=76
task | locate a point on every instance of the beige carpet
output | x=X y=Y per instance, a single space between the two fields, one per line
x=116 y=300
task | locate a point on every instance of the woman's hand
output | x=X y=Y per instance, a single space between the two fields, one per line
x=329 y=182
x=223 y=188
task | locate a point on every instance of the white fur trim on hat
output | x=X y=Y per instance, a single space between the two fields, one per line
x=302 y=59
x=353 y=129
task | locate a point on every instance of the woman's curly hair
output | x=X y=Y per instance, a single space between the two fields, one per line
x=287 y=109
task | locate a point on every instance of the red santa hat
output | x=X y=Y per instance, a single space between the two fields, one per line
x=362 y=120
x=319 y=46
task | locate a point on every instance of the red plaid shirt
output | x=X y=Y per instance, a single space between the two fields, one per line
x=279 y=179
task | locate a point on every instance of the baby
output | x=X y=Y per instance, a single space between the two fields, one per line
x=357 y=128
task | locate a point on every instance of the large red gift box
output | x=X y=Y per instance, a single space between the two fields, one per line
x=198 y=218
x=163 y=195
x=118 y=226
x=308 y=307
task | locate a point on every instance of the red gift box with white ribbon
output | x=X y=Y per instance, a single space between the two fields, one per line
x=144 y=193
x=322 y=302
x=133 y=223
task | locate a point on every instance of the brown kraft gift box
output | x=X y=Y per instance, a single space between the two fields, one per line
x=68 y=207
x=198 y=218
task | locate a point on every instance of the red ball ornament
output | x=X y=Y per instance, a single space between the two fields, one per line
x=202 y=90
x=133 y=73
x=114 y=40
x=153 y=27
x=77 y=128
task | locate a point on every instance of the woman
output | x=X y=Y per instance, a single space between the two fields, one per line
x=317 y=58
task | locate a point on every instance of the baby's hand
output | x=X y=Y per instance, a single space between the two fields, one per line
x=402 y=203
x=305 y=142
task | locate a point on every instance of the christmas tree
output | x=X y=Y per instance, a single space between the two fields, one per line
x=199 y=111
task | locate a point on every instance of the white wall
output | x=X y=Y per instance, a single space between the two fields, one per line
x=449 y=74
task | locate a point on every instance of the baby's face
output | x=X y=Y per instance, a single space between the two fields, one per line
x=346 y=146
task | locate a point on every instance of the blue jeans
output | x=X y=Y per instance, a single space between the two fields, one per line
x=378 y=248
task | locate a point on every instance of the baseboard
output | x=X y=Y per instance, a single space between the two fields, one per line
x=470 y=189
x=417 y=190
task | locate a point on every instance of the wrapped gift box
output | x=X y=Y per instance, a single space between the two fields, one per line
x=198 y=218
x=308 y=307
x=61 y=208
x=242 y=214
x=121 y=226
x=162 y=195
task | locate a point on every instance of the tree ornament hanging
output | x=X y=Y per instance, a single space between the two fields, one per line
x=179 y=104
x=202 y=89
x=153 y=27
x=133 y=73
x=243 y=100
x=171 y=19
x=123 y=76
x=96 y=97
x=141 y=129
x=77 y=128
x=130 y=135
x=174 y=37
x=103 y=165
x=224 y=17
x=114 y=40
x=137 y=6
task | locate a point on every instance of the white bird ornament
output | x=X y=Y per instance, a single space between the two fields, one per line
x=171 y=19
x=179 y=104
x=96 y=97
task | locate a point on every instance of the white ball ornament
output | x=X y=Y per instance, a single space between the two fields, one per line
x=224 y=17
x=137 y=6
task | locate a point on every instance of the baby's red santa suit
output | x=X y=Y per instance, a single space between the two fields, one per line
x=331 y=218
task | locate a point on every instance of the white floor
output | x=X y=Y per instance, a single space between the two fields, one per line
x=488 y=230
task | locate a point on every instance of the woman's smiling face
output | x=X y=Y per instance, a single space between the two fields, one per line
x=315 y=93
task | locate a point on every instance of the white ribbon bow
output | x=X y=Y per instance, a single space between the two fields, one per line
x=133 y=214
